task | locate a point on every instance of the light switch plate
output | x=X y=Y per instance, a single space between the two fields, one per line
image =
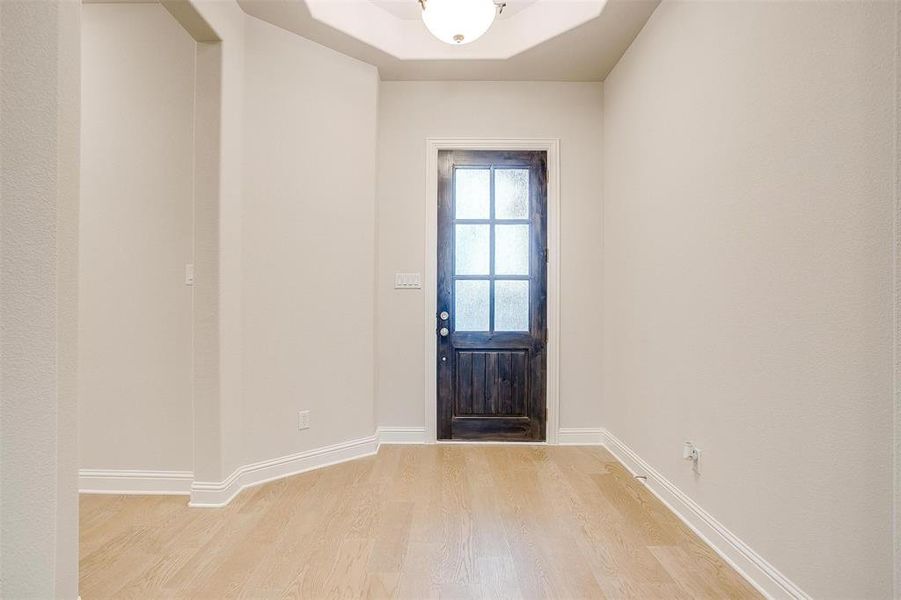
x=189 y=274
x=407 y=281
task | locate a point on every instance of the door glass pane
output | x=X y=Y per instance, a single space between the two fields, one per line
x=471 y=308
x=511 y=194
x=511 y=250
x=472 y=249
x=511 y=305
x=472 y=193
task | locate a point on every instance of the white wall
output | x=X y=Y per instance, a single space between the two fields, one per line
x=283 y=235
x=137 y=235
x=218 y=26
x=748 y=274
x=309 y=229
x=39 y=113
x=410 y=112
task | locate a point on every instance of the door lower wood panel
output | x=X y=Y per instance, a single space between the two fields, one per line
x=494 y=382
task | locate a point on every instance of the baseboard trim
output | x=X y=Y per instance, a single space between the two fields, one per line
x=580 y=436
x=216 y=494
x=753 y=567
x=134 y=482
x=401 y=435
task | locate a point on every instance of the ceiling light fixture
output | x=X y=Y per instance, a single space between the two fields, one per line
x=459 y=21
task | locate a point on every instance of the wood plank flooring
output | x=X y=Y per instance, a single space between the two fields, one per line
x=418 y=522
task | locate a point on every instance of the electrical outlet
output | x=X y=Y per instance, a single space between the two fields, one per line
x=303 y=419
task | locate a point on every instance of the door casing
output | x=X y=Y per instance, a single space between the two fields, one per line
x=430 y=292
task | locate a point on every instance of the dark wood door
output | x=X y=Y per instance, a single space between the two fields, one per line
x=491 y=318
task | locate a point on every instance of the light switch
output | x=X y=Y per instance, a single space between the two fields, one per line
x=407 y=281
x=189 y=274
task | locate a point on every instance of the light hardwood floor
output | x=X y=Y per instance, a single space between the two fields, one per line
x=439 y=521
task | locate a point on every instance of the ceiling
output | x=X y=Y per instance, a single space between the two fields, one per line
x=403 y=9
x=532 y=40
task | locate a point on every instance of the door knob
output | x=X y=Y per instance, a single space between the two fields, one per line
x=444 y=331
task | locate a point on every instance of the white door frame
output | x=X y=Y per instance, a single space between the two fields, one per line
x=430 y=277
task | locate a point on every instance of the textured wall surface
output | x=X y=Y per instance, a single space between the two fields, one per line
x=749 y=185
x=897 y=382
x=39 y=104
x=410 y=112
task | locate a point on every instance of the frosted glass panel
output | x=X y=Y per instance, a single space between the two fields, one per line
x=511 y=194
x=472 y=250
x=511 y=250
x=471 y=300
x=472 y=193
x=511 y=305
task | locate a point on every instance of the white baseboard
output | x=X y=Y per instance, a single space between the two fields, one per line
x=214 y=494
x=401 y=435
x=753 y=567
x=121 y=481
x=580 y=436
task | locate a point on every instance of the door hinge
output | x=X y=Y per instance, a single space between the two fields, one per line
x=545 y=256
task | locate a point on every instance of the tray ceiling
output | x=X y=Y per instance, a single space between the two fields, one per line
x=565 y=40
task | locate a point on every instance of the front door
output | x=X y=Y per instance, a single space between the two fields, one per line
x=491 y=318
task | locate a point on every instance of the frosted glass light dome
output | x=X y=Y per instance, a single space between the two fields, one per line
x=458 y=21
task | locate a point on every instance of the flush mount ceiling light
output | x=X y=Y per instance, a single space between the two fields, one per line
x=459 y=21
